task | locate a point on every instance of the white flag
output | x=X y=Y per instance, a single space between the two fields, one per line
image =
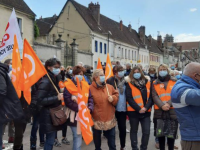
x=6 y=46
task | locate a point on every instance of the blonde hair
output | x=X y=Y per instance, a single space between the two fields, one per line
x=165 y=66
x=96 y=74
x=69 y=67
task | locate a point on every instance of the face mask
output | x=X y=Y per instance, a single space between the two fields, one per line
x=80 y=77
x=56 y=71
x=10 y=68
x=102 y=79
x=136 y=75
x=91 y=71
x=172 y=67
x=178 y=77
x=70 y=71
x=121 y=74
x=163 y=73
x=152 y=75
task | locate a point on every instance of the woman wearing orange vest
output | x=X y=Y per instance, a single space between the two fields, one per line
x=70 y=98
x=138 y=106
x=161 y=91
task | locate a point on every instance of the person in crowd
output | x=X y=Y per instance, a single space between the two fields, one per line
x=62 y=72
x=152 y=74
x=139 y=65
x=185 y=99
x=104 y=69
x=161 y=90
x=35 y=111
x=91 y=69
x=105 y=99
x=175 y=73
x=11 y=129
x=139 y=106
x=80 y=64
x=10 y=106
x=128 y=69
x=88 y=74
x=69 y=72
x=172 y=67
x=119 y=83
x=48 y=98
x=72 y=105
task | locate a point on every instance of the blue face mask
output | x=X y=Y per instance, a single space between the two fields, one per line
x=137 y=75
x=178 y=77
x=172 y=67
x=152 y=75
x=10 y=68
x=70 y=71
x=163 y=73
x=80 y=77
x=102 y=79
x=56 y=71
x=124 y=71
x=121 y=74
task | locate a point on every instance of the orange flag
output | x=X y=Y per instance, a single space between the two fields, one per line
x=109 y=69
x=32 y=70
x=99 y=66
x=84 y=117
x=16 y=67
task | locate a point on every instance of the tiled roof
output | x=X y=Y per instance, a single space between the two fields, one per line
x=152 y=46
x=19 y=5
x=45 y=24
x=188 y=45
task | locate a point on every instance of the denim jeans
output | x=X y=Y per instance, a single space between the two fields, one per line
x=77 y=139
x=1 y=134
x=35 y=129
x=50 y=138
x=110 y=135
x=145 y=123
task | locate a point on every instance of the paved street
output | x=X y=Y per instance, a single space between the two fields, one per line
x=91 y=146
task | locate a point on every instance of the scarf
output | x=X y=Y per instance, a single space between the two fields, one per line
x=120 y=85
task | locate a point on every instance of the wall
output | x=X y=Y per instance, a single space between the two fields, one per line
x=27 y=23
x=85 y=57
x=155 y=63
x=70 y=19
x=45 y=51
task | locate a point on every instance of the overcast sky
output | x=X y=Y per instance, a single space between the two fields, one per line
x=181 y=18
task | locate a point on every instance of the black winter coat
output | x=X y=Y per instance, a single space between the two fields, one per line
x=134 y=105
x=10 y=106
x=47 y=99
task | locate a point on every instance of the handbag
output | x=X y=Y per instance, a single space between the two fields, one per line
x=58 y=115
x=166 y=126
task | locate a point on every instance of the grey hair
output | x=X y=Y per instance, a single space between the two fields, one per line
x=96 y=73
x=191 y=68
x=80 y=64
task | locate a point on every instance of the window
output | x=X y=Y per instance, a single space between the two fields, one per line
x=96 y=46
x=95 y=64
x=19 y=20
x=135 y=55
x=100 y=47
x=129 y=55
x=105 y=49
x=132 y=56
x=118 y=52
x=126 y=53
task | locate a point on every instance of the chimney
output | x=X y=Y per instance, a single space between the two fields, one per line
x=150 y=38
x=121 y=25
x=130 y=27
x=41 y=18
x=95 y=10
x=159 y=41
x=142 y=34
x=54 y=16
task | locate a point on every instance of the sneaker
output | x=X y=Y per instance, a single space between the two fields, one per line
x=57 y=143
x=42 y=144
x=11 y=140
x=65 y=141
x=157 y=146
x=127 y=131
x=175 y=147
x=33 y=145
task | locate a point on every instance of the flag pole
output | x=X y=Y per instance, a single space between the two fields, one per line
x=107 y=90
x=53 y=83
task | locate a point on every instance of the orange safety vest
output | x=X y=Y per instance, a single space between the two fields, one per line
x=137 y=96
x=73 y=90
x=164 y=95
